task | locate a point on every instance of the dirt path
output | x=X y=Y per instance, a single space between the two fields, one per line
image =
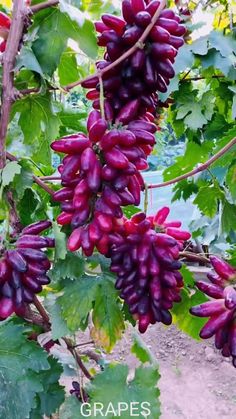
x=196 y=382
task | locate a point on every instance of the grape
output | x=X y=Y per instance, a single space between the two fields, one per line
x=221 y=309
x=147 y=268
x=23 y=269
x=79 y=392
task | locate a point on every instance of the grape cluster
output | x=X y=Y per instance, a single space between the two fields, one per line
x=5 y=23
x=148 y=70
x=144 y=255
x=221 y=308
x=23 y=269
x=100 y=174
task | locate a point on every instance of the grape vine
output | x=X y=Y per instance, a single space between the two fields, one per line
x=100 y=177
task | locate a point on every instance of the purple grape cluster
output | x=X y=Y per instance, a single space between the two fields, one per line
x=148 y=70
x=100 y=174
x=146 y=261
x=221 y=308
x=23 y=269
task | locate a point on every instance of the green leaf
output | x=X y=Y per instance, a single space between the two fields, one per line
x=130 y=210
x=23 y=180
x=28 y=60
x=74 y=119
x=72 y=267
x=184 y=59
x=68 y=68
x=228 y=220
x=107 y=316
x=8 y=173
x=200 y=46
x=60 y=242
x=231 y=180
x=59 y=327
x=51 y=39
x=29 y=206
x=181 y=316
x=77 y=301
x=208 y=198
x=39 y=124
x=192 y=115
x=191 y=296
x=53 y=394
x=112 y=386
x=188 y=276
x=194 y=154
x=141 y=351
x=21 y=360
x=223 y=43
x=86 y=38
x=215 y=60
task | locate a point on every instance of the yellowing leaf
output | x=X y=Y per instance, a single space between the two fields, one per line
x=6 y=3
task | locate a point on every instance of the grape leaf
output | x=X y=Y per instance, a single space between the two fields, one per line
x=223 y=43
x=59 y=327
x=215 y=60
x=130 y=210
x=8 y=173
x=73 y=119
x=52 y=36
x=107 y=316
x=207 y=199
x=231 y=180
x=60 y=242
x=39 y=124
x=112 y=387
x=200 y=46
x=72 y=266
x=23 y=180
x=85 y=36
x=77 y=301
x=194 y=154
x=141 y=351
x=29 y=206
x=228 y=219
x=183 y=319
x=53 y=394
x=28 y=60
x=21 y=360
x=68 y=68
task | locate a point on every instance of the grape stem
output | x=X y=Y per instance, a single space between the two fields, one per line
x=35 y=178
x=194 y=257
x=198 y=169
x=41 y=310
x=77 y=357
x=8 y=62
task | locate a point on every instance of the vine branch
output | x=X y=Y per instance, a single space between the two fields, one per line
x=15 y=34
x=78 y=359
x=198 y=169
x=37 y=7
